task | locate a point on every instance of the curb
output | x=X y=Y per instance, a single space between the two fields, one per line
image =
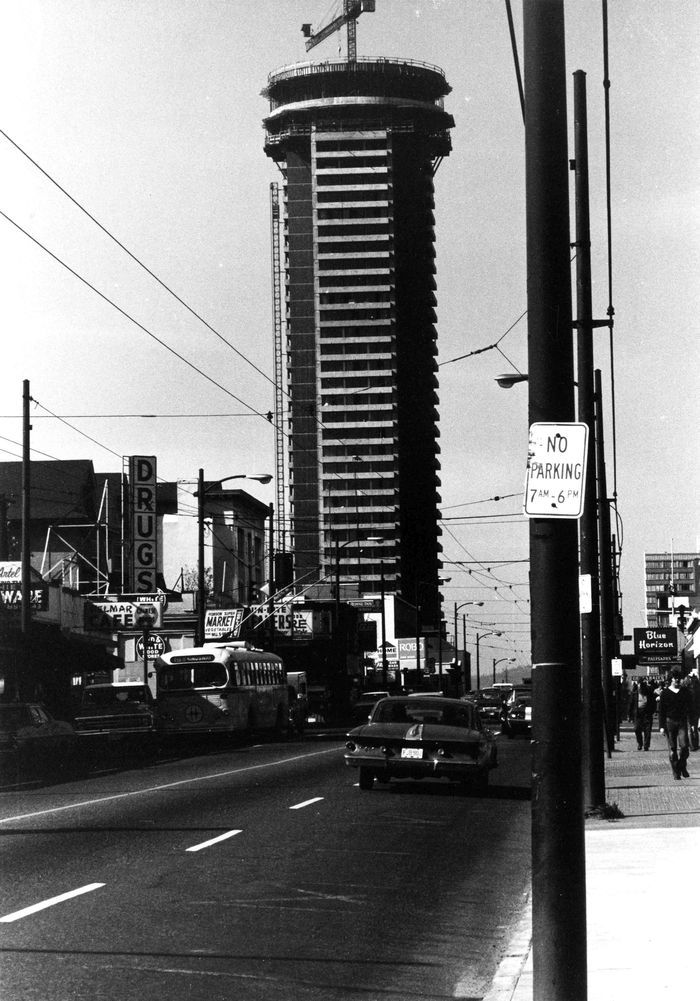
x=507 y=976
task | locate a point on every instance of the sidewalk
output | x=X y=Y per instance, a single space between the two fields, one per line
x=639 y=941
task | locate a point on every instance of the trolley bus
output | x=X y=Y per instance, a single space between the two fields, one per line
x=220 y=688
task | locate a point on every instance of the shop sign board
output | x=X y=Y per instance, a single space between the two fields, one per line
x=295 y=622
x=144 y=524
x=222 y=623
x=659 y=643
x=106 y=616
x=10 y=572
x=11 y=598
x=154 y=648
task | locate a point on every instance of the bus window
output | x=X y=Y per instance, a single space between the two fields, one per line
x=209 y=676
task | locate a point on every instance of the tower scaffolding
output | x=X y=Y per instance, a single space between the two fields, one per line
x=280 y=476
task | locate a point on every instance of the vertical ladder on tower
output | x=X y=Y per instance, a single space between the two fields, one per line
x=280 y=477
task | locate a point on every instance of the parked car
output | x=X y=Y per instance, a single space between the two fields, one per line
x=33 y=744
x=364 y=706
x=518 y=690
x=519 y=716
x=416 y=738
x=120 y=713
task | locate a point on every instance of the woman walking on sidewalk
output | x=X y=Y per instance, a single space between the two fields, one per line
x=674 y=709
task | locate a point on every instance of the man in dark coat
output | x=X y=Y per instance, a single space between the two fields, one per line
x=675 y=707
x=693 y=685
x=643 y=708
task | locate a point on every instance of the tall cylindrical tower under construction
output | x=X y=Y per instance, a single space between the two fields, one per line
x=358 y=144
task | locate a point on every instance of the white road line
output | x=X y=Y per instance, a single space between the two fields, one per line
x=16 y=915
x=212 y=841
x=307 y=802
x=167 y=785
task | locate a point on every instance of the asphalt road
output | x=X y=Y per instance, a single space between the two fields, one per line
x=256 y=874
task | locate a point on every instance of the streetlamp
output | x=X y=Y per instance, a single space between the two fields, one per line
x=467 y=672
x=507 y=660
x=202 y=490
x=440 y=580
x=385 y=671
x=467 y=678
x=479 y=637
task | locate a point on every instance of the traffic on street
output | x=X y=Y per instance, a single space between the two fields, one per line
x=260 y=872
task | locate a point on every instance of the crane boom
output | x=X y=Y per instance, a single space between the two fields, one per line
x=351 y=11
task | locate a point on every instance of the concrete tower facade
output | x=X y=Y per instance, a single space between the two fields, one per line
x=358 y=145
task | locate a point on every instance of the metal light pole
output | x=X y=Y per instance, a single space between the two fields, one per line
x=467 y=674
x=508 y=660
x=479 y=638
x=200 y=494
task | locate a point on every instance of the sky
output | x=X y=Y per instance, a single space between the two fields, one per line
x=148 y=114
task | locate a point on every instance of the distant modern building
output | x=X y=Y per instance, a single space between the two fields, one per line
x=672 y=583
x=358 y=145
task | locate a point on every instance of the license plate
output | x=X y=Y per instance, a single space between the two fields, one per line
x=411 y=752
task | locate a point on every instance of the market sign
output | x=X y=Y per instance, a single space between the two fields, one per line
x=556 y=470
x=222 y=623
x=656 y=644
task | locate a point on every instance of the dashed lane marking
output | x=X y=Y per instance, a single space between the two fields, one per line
x=16 y=915
x=212 y=841
x=160 y=788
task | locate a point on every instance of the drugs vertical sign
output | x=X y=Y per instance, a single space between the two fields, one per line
x=556 y=470
x=144 y=526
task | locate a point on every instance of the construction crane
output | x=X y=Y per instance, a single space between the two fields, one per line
x=351 y=11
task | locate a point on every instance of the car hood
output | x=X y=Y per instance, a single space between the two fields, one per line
x=417 y=732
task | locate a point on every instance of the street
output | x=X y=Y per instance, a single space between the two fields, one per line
x=260 y=872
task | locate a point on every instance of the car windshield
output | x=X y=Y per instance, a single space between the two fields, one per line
x=12 y=717
x=428 y=711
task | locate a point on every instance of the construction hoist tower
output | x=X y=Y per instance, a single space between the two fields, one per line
x=277 y=327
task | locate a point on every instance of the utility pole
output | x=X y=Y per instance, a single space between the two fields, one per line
x=26 y=511
x=201 y=588
x=4 y=535
x=593 y=720
x=385 y=670
x=558 y=849
x=271 y=578
x=606 y=572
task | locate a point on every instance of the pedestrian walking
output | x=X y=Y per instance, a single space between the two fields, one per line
x=693 y=684
x=674 y=711
x=643 y=709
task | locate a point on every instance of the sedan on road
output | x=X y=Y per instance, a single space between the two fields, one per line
x=364 y=705
x=32 y=742
x=491 y=705
x=519 y=716
x=417 y=738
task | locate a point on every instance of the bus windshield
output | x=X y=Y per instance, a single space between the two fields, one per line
x=180 y=677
